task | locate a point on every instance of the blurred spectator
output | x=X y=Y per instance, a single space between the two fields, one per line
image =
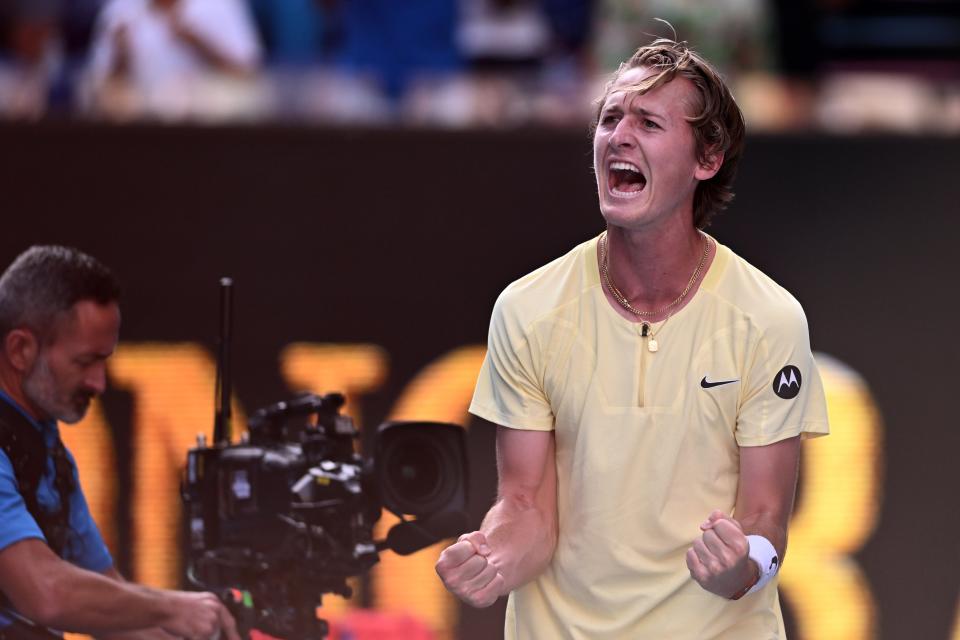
x=503 y=33
x=527 y=60
x=172 y=58
x=738 y=35
x=734 y=34
x=295 y=32
x=447 y=62
x=29 y=72
x=839 y=65
x=365 y=54
x=392 y=44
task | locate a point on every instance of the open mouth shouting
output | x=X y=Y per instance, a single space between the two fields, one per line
x=625 y=179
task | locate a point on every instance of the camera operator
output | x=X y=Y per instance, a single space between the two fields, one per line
x=59 y=322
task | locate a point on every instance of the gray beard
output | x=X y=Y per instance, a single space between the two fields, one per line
x=40 y=389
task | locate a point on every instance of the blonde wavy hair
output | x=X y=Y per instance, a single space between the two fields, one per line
x=717 y=122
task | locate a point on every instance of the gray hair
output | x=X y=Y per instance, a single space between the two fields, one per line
x=45 y=281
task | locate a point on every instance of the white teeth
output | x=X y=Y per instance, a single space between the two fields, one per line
x=625 y=194
x=624 y=166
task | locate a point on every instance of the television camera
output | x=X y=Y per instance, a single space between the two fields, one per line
x=287 y=514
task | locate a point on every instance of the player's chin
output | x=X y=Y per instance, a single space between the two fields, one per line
x=624 y=217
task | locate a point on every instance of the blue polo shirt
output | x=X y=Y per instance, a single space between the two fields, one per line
x=84 y=546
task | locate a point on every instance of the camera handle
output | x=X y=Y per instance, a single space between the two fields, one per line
x=410 y=536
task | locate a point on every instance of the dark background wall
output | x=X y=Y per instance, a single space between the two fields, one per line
x=403 y=238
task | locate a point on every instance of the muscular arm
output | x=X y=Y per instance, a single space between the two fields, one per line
x=519 y=534
x=146 y=634
x=521 y=527
x=768 y=482
x=57 y=594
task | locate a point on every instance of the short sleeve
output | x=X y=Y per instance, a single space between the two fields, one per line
x=783 y=396
x=509 y=389
x=16 y=523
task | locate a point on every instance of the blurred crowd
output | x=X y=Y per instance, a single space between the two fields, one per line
x=838 y=65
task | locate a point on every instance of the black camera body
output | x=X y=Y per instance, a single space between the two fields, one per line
x=287 y=515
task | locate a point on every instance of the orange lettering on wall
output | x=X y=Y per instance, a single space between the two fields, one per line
x=91 y=443
x=351 y=369
x=440 y=393
x=840 y=498
x=173 y=388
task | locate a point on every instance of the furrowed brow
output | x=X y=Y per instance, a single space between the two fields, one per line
x=649 y=114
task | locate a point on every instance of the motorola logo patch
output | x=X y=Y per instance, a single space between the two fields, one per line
x=786 y=383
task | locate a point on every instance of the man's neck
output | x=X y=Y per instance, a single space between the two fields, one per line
x=651 y=267
x=11 y=384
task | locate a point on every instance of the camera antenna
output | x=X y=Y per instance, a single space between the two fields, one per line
x=222 y=416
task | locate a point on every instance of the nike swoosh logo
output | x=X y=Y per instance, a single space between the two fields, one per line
x=707 y=385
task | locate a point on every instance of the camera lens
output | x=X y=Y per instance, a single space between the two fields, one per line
x=414 y=472
x=421 y=467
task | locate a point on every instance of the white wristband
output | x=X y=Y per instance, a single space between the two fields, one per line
x=766 y=557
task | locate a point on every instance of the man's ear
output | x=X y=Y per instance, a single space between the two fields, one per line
x=709 y=165
x=21 y=348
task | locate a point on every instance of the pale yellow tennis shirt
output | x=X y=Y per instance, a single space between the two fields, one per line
x=647 y=442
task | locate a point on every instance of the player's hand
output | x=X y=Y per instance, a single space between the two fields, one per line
x=468 y=573
x=199 y=616
x=719 y=559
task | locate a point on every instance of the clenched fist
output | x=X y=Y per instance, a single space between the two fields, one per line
x=468 y=573
x=719 y=559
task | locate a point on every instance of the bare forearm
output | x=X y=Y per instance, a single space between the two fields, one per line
x=522 y=539
x=140 y=634
x=89 y=602
x=719 y=559
x=768 y=484
x=55 y=593
x=519 y=534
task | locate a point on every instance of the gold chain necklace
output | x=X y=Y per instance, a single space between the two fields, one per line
x=652 y=344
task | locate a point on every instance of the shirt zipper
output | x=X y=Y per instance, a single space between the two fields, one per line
x=645 y=334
